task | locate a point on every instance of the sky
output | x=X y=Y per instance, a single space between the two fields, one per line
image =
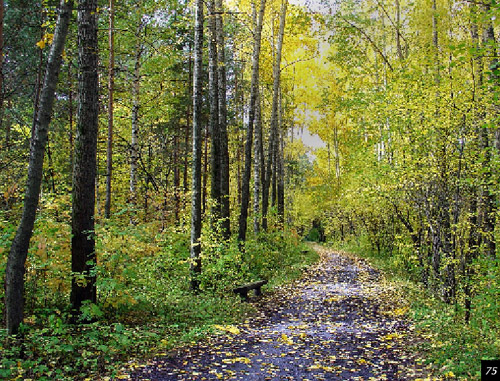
x=309 y=139
x=316 y=5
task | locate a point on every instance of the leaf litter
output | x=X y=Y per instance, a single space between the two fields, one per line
x=340 y=321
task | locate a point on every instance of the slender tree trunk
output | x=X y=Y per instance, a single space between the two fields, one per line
x=71 y=117
x=188 y=124
x=38 y=86
x=83 y=256
x=213 y=86
x=197 y=140
x=111 y=81
x=258 y=143
x=14 y=273
x=245 y=188
x=488 y=200
x=2 y=92
x=398 y=32
x=238 y=167
x=134 y=143
x=224 y=150
x=274 y=170
x=257 y=167
x=205 y=172
x=273 y=140
x=177 y=178
x=435 y=40
x=280 y=186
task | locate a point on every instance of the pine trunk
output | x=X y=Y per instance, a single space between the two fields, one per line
x=224 y=150
x=83 y=257
x=111 y=80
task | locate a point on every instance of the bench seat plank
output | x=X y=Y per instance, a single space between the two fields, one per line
x=243 y=290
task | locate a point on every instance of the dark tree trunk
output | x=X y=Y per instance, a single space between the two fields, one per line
x=213 y=88
x=14 y=273
x=197 y=140
x=111 y=81
x=205 y=172
x=71 y=118
x=1 y=77
x=187 y=134
x=224 y=151
x=134 y=139
x=83 y=257
x=177 y=178
x=245 y=188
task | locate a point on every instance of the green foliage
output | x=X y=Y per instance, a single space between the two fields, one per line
x=144 y=302
x=453 y=347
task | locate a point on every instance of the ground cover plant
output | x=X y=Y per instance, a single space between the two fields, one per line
x=145 y=304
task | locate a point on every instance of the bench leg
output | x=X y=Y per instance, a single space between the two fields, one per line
x=258 y=292
x=244 y=295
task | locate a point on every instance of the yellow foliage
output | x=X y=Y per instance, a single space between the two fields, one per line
x=228 y=328
x=46 y=40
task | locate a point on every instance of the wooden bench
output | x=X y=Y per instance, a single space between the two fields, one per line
x=243 y=290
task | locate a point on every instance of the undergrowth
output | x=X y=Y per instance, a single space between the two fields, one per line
x=144 y=305
x=454 y=348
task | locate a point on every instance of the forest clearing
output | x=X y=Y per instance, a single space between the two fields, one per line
x=158 y=157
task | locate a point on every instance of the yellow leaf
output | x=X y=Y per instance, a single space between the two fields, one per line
x=285 y=339
x=228 y=328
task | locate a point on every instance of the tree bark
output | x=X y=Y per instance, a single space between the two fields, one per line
x=187 y=134
x=224 y=150
x=2 y=93
x=257 y=185
x=111 y=81
x=280 y=187
x=398 y=31
x=71 y=118
x=245 y=187
x=273 y=139
x=205 y=171
x=177 y=178
x=213 y=88
x=197 y=140
x=83 y=256
x=134 y=142
x=488 y=200
x=14 y=274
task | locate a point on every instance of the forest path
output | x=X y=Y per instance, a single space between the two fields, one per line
x=340 y=321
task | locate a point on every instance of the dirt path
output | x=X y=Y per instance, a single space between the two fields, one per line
x=338 y=322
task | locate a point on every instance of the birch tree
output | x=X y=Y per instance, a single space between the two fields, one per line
x=197 y=152
x=254 y=88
